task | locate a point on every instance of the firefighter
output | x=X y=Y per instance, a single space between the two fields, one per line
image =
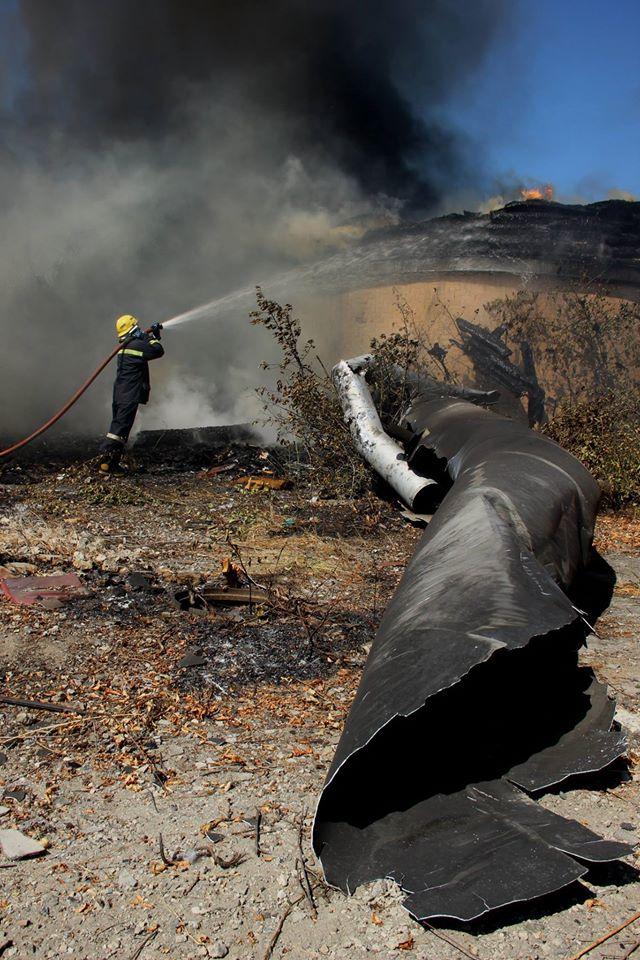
x=131 y=386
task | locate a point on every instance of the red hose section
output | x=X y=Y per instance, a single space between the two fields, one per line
x=67 y=406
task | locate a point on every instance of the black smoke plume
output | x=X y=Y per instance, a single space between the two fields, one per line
x=353 y=80
x=158 y=153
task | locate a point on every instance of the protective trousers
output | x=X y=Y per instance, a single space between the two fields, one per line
x=123 y=416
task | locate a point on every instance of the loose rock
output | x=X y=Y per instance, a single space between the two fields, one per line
x=218 y=949
x=18 y=846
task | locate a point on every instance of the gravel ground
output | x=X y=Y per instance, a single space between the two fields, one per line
x=215 y=757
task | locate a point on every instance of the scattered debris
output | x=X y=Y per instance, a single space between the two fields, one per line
x=607 y=936
x=232 y=596
x=17 y=793
x=416 y=519
x=289 y=675
x=164 y=442
x=232 y=572
x=265 y=483
x=220 y=468
x=138 y=581
x=192 y=658
x=206 y=596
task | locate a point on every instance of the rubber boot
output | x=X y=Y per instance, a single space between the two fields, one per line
x=110 y=463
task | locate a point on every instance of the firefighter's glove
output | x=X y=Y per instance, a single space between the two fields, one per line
x=155 y=330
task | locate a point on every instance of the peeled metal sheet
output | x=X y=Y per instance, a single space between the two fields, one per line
x=472 y=693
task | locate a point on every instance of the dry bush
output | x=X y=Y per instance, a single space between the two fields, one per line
x=303 y=405
x=405 y=348
x=588 y=348
x=604 y=433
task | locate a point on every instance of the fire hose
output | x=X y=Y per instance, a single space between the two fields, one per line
x=76 y=396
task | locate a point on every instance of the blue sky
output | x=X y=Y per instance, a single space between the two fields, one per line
x=558 y=99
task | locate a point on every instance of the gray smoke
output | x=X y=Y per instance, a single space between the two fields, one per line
x=159 y=154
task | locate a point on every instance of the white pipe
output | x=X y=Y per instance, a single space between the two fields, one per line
x=385 y=456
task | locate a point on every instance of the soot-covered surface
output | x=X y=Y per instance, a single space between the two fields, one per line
x=472 y=693
x=577 y=244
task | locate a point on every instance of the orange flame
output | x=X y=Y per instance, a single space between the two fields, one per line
x=537 y=193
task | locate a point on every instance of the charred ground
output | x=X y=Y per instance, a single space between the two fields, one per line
x=182 y=750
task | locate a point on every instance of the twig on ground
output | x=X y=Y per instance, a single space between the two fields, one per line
x=312 y=634
x=449 y=940
x=305 y=889
x=614 y=793
x=306 y=886
x=280 y=924
x=190 y=887
x=234 y=860
x=147 y=940
x=622 y=956
x=163 y=856
x=159 y=775
x=41 y=705
x=607 y=936
x=235 y=549
x=632 y=949
x=258 y=825
x=29 y=734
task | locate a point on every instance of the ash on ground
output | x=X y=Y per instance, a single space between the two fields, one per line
x=212 y=724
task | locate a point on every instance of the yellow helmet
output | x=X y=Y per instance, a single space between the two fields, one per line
x=125 y=324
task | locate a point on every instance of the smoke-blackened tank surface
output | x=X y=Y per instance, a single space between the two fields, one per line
x=472 y=692
x=576 y=244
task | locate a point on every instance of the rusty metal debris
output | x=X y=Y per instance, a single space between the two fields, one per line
x=29 y=590
x=472 y=697
x=188 y=598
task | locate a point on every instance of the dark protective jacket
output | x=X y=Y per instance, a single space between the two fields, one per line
x=132 y=378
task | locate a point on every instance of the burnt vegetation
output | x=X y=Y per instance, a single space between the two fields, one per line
x=587 y=347
x=583 y=347
x=302 y=404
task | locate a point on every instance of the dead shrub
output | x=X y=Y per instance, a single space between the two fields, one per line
x=587 y=349
x=603 y=432
x=303 y=405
